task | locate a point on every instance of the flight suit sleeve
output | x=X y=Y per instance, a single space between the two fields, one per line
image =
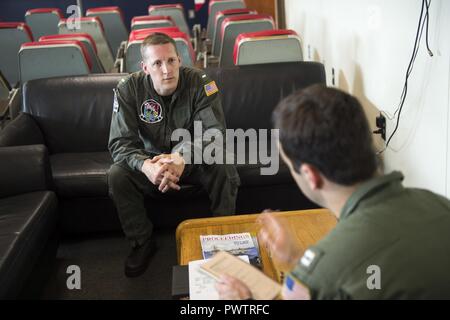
x=125 y=145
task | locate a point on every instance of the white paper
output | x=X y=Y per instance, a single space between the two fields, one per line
x=202 y=285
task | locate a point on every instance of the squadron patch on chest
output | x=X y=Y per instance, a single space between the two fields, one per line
x=151 y=111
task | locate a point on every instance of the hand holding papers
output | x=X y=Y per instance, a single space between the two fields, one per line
x=261 y=286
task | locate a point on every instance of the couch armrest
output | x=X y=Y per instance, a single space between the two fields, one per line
x=23 y=130
x=24 y=169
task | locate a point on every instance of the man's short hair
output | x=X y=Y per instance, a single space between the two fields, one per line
x=155 y=39
x=327 y=128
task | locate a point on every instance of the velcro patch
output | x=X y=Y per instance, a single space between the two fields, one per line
x=116 y=103
x=211 y=88
x=310 y=258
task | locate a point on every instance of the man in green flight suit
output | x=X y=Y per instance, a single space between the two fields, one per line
x=391 y=242
x=148 y=106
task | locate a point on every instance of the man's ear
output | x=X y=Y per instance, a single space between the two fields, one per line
x=312 y=176
x=144 y=67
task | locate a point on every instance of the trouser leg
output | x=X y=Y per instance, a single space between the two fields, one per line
x=221 y=182
x=127 y=189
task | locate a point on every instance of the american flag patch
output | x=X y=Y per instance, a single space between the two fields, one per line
x=294 y=290
x=211 y=88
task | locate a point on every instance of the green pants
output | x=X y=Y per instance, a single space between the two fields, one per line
x=127 y=188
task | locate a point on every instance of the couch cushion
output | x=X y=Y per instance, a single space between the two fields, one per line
x=251 y=176
x=85 y=175
x=26 y=222
x=81 y=174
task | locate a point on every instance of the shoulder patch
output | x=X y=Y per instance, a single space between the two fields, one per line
x=294 y=289
x=310 y=258
x=211 y=88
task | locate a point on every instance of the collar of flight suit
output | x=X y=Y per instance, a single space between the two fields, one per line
x=369 y=189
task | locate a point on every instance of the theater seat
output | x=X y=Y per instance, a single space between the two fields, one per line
x=216 y=6
x=234 y=26
x=88 y=42
x=53 y=58
x=175 y=11
x=12 y=36
x=113 y=22
x=94 y=27
x=267 y=47
x=43 y=21
x=220 y=16
x=133 y=52
x=145 y=22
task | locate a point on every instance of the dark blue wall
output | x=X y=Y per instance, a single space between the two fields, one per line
x=14 y=10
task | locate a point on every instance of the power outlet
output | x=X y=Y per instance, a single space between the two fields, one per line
x=380 y=123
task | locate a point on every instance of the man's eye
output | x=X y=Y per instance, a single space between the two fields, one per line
x=157 y=64
x=171 y=60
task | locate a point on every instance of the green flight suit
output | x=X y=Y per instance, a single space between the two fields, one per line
x=391 y=243
x=141 y=128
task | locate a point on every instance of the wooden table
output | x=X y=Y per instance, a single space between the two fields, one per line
x=309 y=226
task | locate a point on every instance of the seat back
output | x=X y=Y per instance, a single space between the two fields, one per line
x=220 y=5
x=234 y=26
x=53 y=58
x=251 y=93
x=12 y=36
x=94 y=27
x=133 y=52
x=113 y=21
x=43 y=21
x=145 y=22
x=220 y=16
x=5 y=87
x=267 y=47
x=175 y=11
x=88 y=42
x=73 y=113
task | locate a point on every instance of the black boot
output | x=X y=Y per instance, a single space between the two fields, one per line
x=137 y=261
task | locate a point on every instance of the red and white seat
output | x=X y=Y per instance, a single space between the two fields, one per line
x=145 y=22
x=113 y=22
x=232 y=27
x=267 y=47
x=220 y=5
x=88 y=42
x=43 y=21
x=94 y=27
x=220 y=16
x=53 y=58
x=12 y=36
x=176 y=11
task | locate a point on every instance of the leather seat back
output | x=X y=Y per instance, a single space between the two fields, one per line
x=73 y=113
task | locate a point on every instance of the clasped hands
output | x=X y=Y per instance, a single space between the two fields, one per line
x=164 y=171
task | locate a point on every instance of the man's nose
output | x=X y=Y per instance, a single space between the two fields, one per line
x=166 y=68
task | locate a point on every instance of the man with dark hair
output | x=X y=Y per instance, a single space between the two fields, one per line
x=148 y=106
x=391 y=242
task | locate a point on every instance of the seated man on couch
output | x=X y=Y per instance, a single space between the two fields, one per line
x=391 y=242
x=149 y=105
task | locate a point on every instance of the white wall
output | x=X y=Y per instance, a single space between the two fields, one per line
x=369 y=44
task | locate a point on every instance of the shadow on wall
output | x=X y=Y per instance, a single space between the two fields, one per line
x=371 y=110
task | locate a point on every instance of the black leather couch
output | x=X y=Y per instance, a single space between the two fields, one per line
x=28 y=216
x=71 y=117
